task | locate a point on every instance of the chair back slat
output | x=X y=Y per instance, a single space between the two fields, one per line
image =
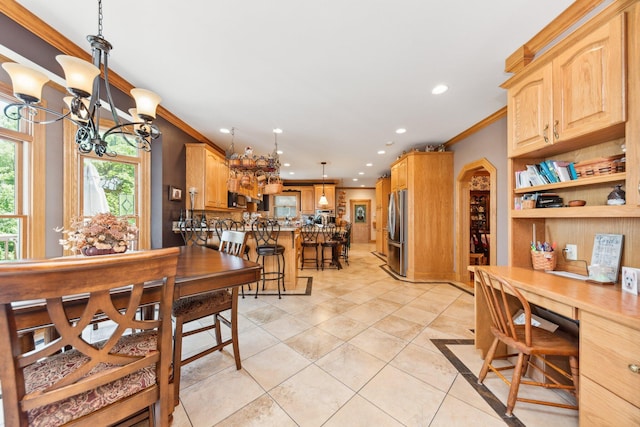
x=233 y=242
x=85 y=365
x=503 y=301
x=309 y=233
x=265 y=233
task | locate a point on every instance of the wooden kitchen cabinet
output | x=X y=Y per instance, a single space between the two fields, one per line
x=307 y=201
x=577 y=93
x=207 y=172
x=399 y=175
x=428 y=180
x=330 y=194
x=383 y=187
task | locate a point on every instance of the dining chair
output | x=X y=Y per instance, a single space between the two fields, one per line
x=529 y=343
x=265 y=234
x=309 y=239
x=330 y=241
x=72 y=379
x=214 y=303
x=230 y=224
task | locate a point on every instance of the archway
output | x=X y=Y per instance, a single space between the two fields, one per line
x=463 y=205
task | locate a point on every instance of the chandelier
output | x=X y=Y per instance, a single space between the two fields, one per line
x=83 y=83
x=323 y=199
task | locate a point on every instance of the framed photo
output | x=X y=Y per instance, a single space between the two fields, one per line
x=175 y=193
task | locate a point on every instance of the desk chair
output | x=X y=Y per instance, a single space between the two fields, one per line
x=309 y=236
x=196 y=307
x=528 y=341
x=265 y=233
x=330 y=241
x=72 y=380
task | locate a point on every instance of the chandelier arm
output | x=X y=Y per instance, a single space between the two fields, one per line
x=29 y=108
x=142 y=139
x=114 y=113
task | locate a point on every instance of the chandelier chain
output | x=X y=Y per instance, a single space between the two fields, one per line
x=100 y=18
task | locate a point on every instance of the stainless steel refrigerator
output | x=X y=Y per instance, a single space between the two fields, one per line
x=397 y=227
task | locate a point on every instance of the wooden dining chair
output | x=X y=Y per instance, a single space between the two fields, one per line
x=213 y=303
x=72 y=380
x=529 y=342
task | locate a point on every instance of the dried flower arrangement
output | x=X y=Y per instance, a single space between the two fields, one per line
x=103 y=233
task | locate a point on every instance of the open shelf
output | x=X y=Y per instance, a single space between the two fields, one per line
x=592 y=180
x=606 y=211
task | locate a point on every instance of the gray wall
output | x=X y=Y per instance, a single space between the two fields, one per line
x=489 y=143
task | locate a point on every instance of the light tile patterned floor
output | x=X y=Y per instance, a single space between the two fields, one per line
x=358 y=351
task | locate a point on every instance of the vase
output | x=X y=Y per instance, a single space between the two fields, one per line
x=92 y=250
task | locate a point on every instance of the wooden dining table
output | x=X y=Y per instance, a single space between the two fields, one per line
x=199 y=270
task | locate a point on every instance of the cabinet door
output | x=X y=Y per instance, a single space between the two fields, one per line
x=588 y=83
x=211 y=185
x=330 y=194
x=399 y=175
x=530 y=121
x=307 y=202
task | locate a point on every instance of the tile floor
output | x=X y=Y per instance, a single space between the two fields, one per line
x=358 y=351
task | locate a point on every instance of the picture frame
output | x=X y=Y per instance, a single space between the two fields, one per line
x=175 y=193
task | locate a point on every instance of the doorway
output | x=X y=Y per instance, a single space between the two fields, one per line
x=360 y=214
x=466 y=208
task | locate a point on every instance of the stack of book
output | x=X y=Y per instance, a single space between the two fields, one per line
x=547 y=172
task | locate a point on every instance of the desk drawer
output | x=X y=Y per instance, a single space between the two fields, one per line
x=606 y=351
x=600 y=407
x=551 y=305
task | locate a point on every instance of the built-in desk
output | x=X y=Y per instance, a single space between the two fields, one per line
x=609 y=339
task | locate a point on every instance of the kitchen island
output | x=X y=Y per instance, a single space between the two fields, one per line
x=288 y=237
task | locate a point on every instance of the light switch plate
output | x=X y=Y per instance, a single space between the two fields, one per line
x=630 y=277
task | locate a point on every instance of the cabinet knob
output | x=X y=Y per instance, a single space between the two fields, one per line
x=634 y=368
x=555 y=130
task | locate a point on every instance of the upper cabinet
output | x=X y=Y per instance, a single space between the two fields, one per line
x=580 y=92
x=330 y=194
x=307 y=201
x=399 y=175
x=207 y=172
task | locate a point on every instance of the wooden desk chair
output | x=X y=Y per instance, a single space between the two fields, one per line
x=213 y=303
x=309 y=239
x=528 y=341
x=71 y=380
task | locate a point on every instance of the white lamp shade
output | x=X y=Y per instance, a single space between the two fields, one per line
x=146 y=103
x=323 y=200
x=79 y=75
x=27 y=83
x=136 y=118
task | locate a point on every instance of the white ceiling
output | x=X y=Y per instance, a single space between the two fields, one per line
x=338 y=76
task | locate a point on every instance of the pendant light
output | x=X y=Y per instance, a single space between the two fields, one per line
x=323 y=199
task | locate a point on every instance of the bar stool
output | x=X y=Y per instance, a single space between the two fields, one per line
x=345 y=243
x=309 y=235
x=329 y=241
x=265 y=233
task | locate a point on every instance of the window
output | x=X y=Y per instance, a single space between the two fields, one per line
x=119 y=184
x=21 y=152
x=285 y=206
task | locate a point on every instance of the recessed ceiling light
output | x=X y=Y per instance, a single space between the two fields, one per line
x=286 y=165
x=389 y=143
x=369 y=165
x=225 y=130
x=381 y=152
x=361 y=185
x=355 y=179
x=401 y=130
x=280 y=152
x=439 y=89
x=277 y=130
x=292 y=173
x=360 y=173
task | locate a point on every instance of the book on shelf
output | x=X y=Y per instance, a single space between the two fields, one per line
x=562 y=170
x=534 y=175
x=546 y=172
x=572 y=171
